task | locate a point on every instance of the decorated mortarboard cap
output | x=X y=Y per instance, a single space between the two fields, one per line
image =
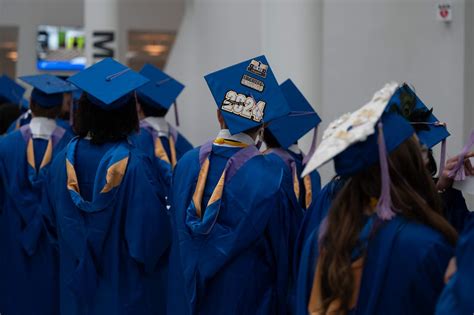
x=352 y=140
x=10 y=91
x=48 y=89
x=299 y=121
x=161 y=91
x=247 y=94
x=359 y=140
x=108 y=84
x=428 y=128
x=364 y=154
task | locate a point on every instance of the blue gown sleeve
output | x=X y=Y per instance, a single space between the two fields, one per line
x=455 y=208
x=428 y=281
x=306 y=271
x=182 y=146
x=47 y=211
x=147 y=226
x=457 y=295
x=282 y=228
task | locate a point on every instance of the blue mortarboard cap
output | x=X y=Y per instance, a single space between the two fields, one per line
x=48 y=89
x=247 y=94
x=108 y=84
x=427 y=127
x=301 y=119
x=364 y=154
x=161 y=91
x=10 y=91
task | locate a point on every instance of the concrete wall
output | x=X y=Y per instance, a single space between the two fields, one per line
x=370 y=42
x=217 y=33
x=339 y=52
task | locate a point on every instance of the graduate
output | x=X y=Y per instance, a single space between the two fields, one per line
x=157 y=137
x=8 y=113
x=232 y=250
x=62 y=119
x=430 y=132
x=10 y=91
x=457 y=295
x=281 y=138
x=10 y=98
x=100 y=204
x=28 y=266
x=384 y=245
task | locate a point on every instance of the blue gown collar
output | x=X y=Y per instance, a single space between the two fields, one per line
x=109 y=175
x=199 y=221
x=36 y=176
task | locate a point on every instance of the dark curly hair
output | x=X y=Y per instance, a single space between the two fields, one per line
x=105 y=125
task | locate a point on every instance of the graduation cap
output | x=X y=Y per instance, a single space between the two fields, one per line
x=161 y=91
x=428 y=128
x=10 y=91
x=359 y=140
x=300 y=120
x=48 y=89
x=247 y=94
x=108 y=84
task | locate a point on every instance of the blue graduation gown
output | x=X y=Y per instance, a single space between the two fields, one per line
x=403 y=270
x=112 y=231
x=24 y=119
x=316 y=213
x=163 y=170
x=315 y=178
x=28 y=262
x=237 y=258
x=144 y=141
x=455 y=209
x=457 y=295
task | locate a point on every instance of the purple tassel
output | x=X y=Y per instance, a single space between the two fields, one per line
x=384 y=205
x=176 y=117
x=313 y=147
x=458 y=173
x=442 y=159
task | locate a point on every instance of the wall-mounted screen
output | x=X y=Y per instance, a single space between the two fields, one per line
x=60 y=48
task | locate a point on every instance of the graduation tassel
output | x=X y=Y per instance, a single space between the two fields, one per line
x=313 y=146
x=176 y=117
x=442 y=158
x=384 y=205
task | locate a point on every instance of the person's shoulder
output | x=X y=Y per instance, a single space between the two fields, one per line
x=419 y=241
x=190 y=156
x=9 y=140
x=276 y=160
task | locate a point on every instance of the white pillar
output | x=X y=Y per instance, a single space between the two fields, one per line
x=101 y=28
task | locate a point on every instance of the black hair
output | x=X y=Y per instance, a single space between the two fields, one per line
x=51 y=113
x=105 y=125
x=270 y=139
x=151 y=111
x=8 y=113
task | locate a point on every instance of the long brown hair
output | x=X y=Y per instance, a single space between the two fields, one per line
x=414 y=196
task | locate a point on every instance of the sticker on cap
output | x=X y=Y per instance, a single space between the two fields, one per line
x=252 y=83
x=244 y=106
x=258 y=68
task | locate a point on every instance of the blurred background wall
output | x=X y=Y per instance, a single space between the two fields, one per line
x=339 y=52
